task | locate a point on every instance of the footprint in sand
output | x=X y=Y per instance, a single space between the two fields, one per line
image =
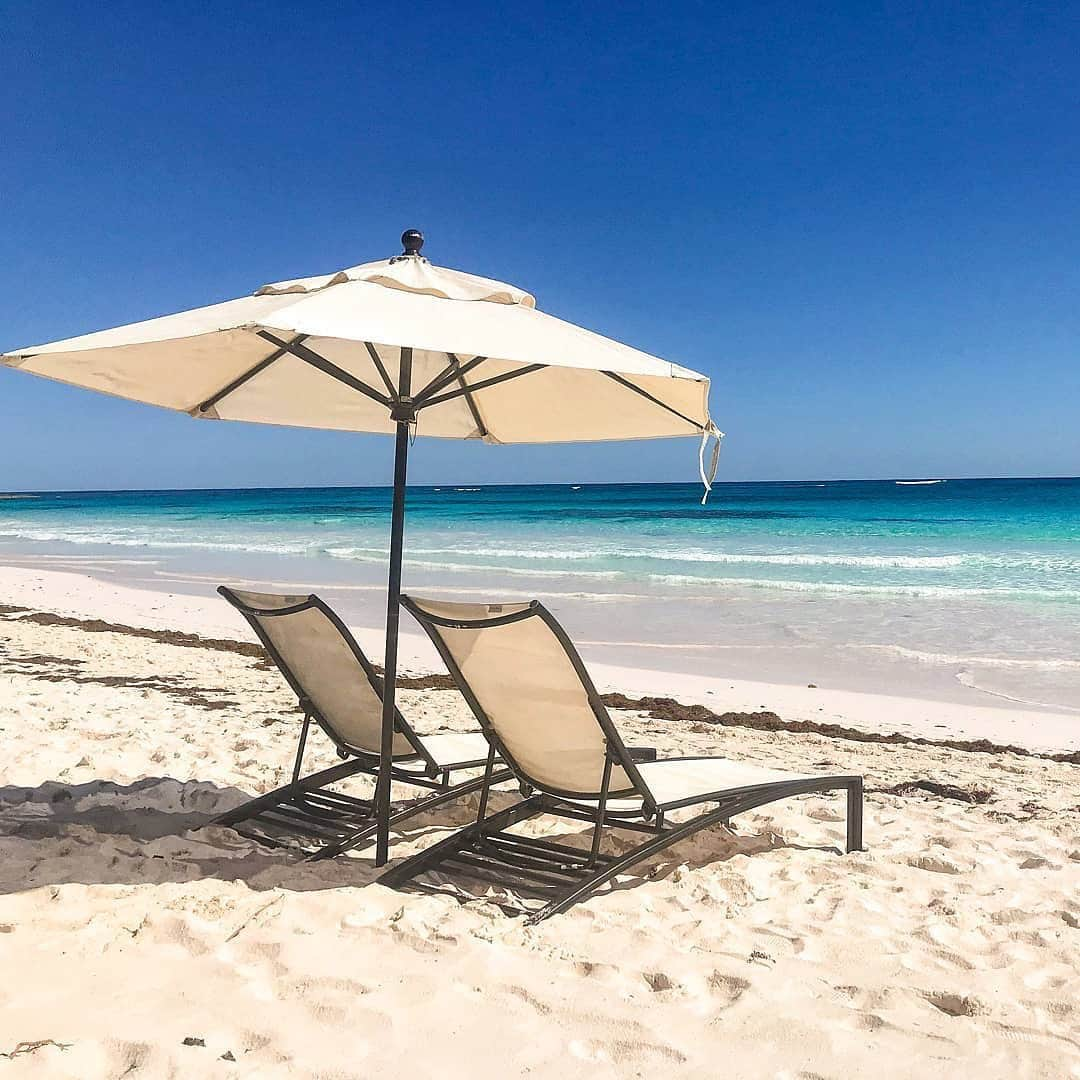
x=726 y=989
x=866 y=998
x=127 y=1057
x=871 y=1022
x=541 y=1008
x=940 y=864
x=1038 y=862
x=954 y=1004
x=606 y=975
x=624 y=1052
x=658 y=982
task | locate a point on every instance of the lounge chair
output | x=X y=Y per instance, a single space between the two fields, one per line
x=530 y=691
x=339 y=689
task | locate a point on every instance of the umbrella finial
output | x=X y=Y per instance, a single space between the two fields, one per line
x=412 y=240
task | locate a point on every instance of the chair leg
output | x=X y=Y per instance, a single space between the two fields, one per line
x=855 y=816
x=601 y=807
x=489 y=772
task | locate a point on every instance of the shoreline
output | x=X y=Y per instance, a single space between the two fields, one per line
x=1037 y=730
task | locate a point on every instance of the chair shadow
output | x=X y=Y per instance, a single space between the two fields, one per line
x=152 y=831
x=710 y=847
x=715 y=846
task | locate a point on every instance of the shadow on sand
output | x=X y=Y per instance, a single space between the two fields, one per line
x=151 y=832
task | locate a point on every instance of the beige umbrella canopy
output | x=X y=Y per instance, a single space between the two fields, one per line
x=297 y=352
x=395 y=346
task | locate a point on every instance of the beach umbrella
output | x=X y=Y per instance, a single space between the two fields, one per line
x=397 y=346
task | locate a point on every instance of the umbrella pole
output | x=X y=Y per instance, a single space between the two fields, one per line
x=393 y=610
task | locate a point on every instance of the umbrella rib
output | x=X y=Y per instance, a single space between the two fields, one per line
x=320 y=363
x=655 y=400
x=527 y=370
x=481 y=427
x=262 y=365
x=458 y=373
x=453 y=370
x=377 y=361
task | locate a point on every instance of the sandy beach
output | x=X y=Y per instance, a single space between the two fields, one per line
x=144 y=947
x=702 y=379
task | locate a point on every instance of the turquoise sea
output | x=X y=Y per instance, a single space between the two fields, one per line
x=971 y=583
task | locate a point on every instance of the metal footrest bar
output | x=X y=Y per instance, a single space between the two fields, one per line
x=512 y=854
x=527 y=867
x=533 y=844
x=458 y=885
x=329 y=805
x=472 y=863
x=306 y=786
x=263 y=839
x=307 y=820
x=337 y=802
x=286 y=832
x=290 y=817
x=512 y=902
x=412 y=808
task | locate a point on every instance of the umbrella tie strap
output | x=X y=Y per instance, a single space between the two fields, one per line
x=708 y=476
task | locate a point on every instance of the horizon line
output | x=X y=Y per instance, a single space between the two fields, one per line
x=503 y=484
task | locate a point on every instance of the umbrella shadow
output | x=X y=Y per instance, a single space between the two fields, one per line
x=151 y=831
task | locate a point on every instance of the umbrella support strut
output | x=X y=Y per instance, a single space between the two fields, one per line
x=393 y=608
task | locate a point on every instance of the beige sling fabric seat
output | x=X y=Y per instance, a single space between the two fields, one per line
x=341 y=692
x=683 y=781
x=535 y=702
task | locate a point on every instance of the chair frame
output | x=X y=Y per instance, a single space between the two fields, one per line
x=333 y=821
x=558 y=873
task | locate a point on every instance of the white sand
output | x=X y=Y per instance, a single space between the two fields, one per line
x=953 y=942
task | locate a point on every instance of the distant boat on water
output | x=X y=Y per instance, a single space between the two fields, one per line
x=918 y=483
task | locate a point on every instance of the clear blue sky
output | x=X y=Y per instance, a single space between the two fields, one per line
x=861 y=220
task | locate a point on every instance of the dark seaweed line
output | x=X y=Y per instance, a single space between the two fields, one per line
x=655 y=708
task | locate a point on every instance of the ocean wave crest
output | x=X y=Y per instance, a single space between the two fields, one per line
x=940 y=591
x=942 y=658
